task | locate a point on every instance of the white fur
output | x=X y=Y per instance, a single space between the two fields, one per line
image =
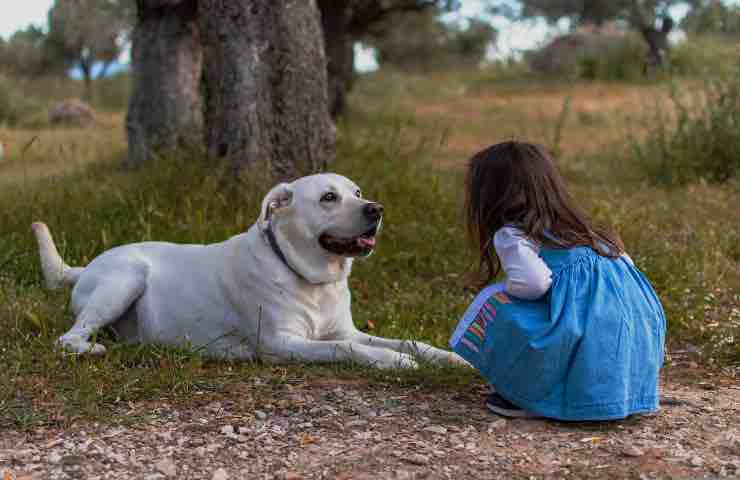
x=237 y=299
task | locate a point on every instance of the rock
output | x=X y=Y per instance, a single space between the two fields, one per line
x=228 y=430
x=696 y=461
x=72 y=113
x=292 y=476
x=355 y=423
x=220 y=474
x=54 y=457
x=438 y=429
x=498 y=424
x=167 y=467
x=73 y=460
x=418 y=459
x=633 y=452
x=260 y=415
x=403 y=475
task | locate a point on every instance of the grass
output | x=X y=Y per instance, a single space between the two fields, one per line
x=696 y=139
x=404 y=143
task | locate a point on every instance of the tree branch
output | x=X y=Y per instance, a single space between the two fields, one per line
x=365 y=13
x=639 y=19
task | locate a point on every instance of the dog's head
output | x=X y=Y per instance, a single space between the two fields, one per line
x=321 y=222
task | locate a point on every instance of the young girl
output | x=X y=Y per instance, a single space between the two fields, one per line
x=575 y=332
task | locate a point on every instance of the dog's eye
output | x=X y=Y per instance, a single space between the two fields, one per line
x=358 y=193
x=329 y=197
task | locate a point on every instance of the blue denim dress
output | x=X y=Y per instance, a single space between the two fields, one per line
x=589 y=349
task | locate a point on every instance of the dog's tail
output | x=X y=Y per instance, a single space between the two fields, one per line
x=56 y=272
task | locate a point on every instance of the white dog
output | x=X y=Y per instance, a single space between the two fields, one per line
x=277 y=292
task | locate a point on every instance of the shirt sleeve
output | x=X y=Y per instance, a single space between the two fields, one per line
x=628 y=259
x=527 y=275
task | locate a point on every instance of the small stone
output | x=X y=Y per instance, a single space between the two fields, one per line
x=292 y=476
x=73 y=459
x=497 y=425
x=403 y=475
x=167 y=467
x=54 y=457
x=329 y=410
x=633 y=452
x=436 y=429
x=260 y=414
x=355 y=423
x=220 y=474
x=418 y=459
x=227 y=430
x=696 y=461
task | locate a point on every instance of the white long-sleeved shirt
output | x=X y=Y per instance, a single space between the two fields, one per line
x=527 y=275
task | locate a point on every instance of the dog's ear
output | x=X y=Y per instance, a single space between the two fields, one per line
x=280 y=196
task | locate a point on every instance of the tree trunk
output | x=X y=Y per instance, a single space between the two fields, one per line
x=339 y=44
x=166 y=58
x=657 y=42
x=266 y=85
x=87 y=81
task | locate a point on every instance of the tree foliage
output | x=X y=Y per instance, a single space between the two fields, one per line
x=423 y=41
x=713 y=16
x=87 y=32
x=638 y=13
x=27 y=53
x=641 y=15
x=345 y=22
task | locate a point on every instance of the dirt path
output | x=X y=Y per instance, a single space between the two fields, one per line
x=356 y=430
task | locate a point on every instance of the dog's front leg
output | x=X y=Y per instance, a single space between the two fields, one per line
x=411 y=347
x=299 y=349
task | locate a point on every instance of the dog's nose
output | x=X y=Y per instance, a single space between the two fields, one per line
x=373 y=211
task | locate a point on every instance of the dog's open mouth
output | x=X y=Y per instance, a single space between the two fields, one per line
x=350 y=247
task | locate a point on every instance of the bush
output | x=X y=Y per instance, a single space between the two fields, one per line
x=619 y=61
x=14 y=105
x=700 y=139
x=704 y=55
x=592 y=56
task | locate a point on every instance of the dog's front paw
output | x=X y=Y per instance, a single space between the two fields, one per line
x=456 y=360
x=79 y=347
x=400 y=360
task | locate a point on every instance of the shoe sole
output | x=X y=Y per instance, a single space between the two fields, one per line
x=505 y=412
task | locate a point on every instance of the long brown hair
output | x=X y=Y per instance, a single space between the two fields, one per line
x=516 y=183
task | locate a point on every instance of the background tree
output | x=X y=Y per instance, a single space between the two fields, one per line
x=713 y=16
x=266 y=87
x=165 y=109
x=27 y=53
x=90 y=32
x=423 y=41
x=642 y=15
x=344 y=22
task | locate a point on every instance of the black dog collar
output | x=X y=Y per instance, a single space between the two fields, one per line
x=278 y=251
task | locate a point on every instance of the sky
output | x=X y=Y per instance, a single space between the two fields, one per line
x=21 y=14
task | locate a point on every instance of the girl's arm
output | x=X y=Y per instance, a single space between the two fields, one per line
x=527 y=275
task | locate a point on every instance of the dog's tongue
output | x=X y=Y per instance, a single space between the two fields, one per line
x=366 y=242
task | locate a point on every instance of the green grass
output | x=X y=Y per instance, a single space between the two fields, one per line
x=698 y=138
x=686 y=240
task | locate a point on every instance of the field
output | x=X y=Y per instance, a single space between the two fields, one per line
x=405 y=143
